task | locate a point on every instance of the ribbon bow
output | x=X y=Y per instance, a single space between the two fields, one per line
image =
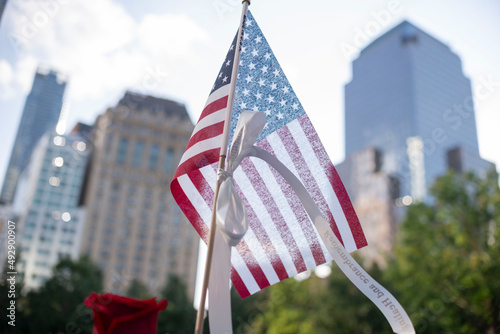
x=231 y=221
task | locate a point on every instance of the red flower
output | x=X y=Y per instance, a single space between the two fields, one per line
x=116 y=314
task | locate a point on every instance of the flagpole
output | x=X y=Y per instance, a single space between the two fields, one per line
x=222 y=159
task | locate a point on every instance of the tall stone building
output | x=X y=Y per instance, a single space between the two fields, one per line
x=134 y=229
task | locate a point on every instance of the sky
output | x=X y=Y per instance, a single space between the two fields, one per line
x=174 y=49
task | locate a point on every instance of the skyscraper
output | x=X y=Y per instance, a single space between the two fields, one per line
x=48 y=201
x=134 y=229
x=409 y=99
x=41 y=114
x=2 y=7
x=409 y=117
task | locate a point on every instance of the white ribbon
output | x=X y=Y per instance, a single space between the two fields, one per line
x=232 y=225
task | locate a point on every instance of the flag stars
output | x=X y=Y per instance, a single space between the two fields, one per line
x=279 y=115
x=231 y=48
x=220 y=75
x=228 y=62
x=225 y=79
x=255 y=108
x=246 y=92
x=258 y=96
x=295 y=106
x=273 y=86
x=285 y=90
x=276 y=73
x=267 y=56
x=264 y=69
x=243 y=49
x=251 y=66
x=258 y=39
x=248 y=22
x=249 y=79
x=262 y=82
x=270 y=99
x=282 y=103
x=255 y=53
x=267 y=112
x=245 y=35
x=243 y=105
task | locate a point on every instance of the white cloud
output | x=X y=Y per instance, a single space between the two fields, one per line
x=170 y=35
x=6 y=76
x=99 y=46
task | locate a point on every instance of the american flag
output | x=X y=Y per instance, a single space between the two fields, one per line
x=281 y=240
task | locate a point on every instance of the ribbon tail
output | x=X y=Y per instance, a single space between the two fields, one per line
x=219 y=294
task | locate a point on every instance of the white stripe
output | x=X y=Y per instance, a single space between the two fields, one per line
x=324 y=184
x=210 y=175
x=258 y=207
x=250 y=239
x=245 y=274
x=286 y=211
x=282 y=154
x=219 y=93
x=211 y=119
x=201 y=146
x=196 y=199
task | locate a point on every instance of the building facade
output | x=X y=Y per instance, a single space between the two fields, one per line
x=40 y=115
x=48 y=204
x=409 y=99
x=134 y=229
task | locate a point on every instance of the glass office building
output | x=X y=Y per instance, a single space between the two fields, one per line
x=41 y=114
x=409 y=99
x=48 y=202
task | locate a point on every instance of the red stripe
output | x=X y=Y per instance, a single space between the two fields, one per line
x=198 y=161
x=202 y=186
x=299 y=211
x=252 y=264
x=238 y=284
x=306 y=176
x=213 y=107
x=188 y=209
x=263 y=238
x=206 y=133
x=335 y=181
x=273 y=210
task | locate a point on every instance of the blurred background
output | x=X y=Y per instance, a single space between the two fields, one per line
x=99 y=98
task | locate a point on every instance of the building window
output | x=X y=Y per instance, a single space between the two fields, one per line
x=138 y=149
x=153 y=156
x=169 y=160
x=121 y=156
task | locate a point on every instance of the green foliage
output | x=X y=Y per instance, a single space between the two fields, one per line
x=138 y=290
x=58 y=305
x=180 y=315
x=446 y=263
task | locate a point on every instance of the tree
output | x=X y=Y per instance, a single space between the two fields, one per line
x=447 y=259
x=180 y=315
x=138 y=290
x=58 y=305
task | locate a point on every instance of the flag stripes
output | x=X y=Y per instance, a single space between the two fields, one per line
x=272 y=250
